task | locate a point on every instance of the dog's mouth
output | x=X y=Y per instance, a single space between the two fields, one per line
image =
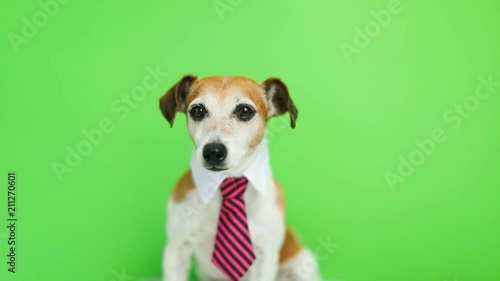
x=216 y=169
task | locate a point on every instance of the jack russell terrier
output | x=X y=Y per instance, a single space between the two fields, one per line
x=237 y=228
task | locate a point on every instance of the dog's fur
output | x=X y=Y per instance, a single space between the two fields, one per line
x=192 y=224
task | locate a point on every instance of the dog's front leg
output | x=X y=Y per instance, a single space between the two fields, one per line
x=266 y=266
x=177 y=259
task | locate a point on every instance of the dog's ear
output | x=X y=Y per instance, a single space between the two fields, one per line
x=175 y=98
x=278 y=100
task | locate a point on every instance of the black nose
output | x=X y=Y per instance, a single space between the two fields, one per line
x=214 y=153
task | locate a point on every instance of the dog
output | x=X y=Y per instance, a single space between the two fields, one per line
x=226 y=119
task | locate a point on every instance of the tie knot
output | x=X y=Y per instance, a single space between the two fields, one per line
x=233 y=187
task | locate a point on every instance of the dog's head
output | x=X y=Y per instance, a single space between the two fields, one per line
x=227 y=116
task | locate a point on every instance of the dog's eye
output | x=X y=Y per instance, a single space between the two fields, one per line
x=244 y=112
x=197 y=112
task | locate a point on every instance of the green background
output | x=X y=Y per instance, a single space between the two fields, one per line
x=356 y=118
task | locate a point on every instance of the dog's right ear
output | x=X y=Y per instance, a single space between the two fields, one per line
x=279 y=100
x=175 y=99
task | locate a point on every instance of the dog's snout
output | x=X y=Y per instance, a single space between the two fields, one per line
x=214 y=153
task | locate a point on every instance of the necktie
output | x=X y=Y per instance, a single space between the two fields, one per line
x=233 y=251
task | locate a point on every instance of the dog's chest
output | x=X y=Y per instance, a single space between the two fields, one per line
x=265 y=221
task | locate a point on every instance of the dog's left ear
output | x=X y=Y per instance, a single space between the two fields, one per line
x=279 y=101
x=175 y=99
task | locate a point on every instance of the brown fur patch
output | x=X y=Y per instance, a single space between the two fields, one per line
x=224 y=86
x=280 y=196
x=291 y=247
x=183 y=187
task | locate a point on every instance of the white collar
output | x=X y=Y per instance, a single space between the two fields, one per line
x=208 y=182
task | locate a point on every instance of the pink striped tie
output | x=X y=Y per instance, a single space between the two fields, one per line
x=233 y=251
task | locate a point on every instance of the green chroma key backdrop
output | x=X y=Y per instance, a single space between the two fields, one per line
x=391 y=174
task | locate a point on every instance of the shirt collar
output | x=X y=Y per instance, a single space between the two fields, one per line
x=208 y=182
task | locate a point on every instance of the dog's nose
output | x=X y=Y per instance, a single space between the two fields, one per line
x=214 y=153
